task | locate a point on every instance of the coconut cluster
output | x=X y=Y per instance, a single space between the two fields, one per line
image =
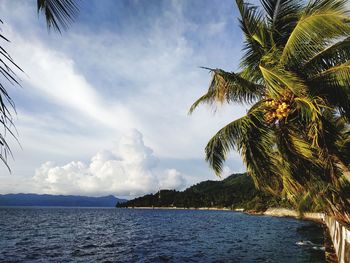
x=276 y=110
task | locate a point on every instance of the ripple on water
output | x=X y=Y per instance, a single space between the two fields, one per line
x=120 y=235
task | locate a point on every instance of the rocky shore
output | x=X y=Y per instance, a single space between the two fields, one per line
x=278 y=212
x=284 y=212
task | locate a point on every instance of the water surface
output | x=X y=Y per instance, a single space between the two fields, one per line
x=126 y=235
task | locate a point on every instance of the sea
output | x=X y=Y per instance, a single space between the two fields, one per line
x=52 y=234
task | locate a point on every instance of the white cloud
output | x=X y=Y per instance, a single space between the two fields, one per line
x=53 y=75
x=127 y=170
x=172 y=179
x=86 y=88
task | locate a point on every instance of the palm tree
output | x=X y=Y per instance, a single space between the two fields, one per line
x=294 y=75
x=58 y=14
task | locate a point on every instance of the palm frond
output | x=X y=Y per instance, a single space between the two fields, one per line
x=335 y=54
x=257 y=38
x=228 y=138
x=250 y=19
x=309 y=109
x=321 y=22
x=59 y=14
x=261 y=160
x=7 y=106
x=282 y=16
x=334 y=83
x=206 y=98
x=340 y=73
x=229 y=87
x=279 y=80
x=301 y=146
x=253 y=139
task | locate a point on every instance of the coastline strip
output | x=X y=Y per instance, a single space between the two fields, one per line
x=277 y=212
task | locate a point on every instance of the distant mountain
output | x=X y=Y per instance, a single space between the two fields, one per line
x=58 y=200
x=236 y=191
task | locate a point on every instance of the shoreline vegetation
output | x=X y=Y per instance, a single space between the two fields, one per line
x=234 y=193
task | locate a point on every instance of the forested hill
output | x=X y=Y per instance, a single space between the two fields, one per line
x=236 y=191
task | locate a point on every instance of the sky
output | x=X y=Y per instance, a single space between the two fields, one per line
x=103 y=108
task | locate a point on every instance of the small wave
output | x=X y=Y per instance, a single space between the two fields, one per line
x=152 y=236
x=305 y=243
x=319 y=248
x=310 y=244
x=88 y=246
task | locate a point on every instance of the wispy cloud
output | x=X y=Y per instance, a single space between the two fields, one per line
x=106 y=76
x=54 y=76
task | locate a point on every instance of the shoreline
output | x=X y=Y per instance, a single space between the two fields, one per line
x=181 y=208
x=284 y=212
x=275 y=212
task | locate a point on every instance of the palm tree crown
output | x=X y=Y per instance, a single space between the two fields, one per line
x=295 y=75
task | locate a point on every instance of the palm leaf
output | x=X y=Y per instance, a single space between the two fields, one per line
x=282 y=16
x=257 y=39
x=333 y=85
x=59 y=14
x=321 y=22
x=339 y=73
x=301 y=146
x=228 y=138
x=7 y=106
x=229 y=87
x=279 y=80
x=335 y=54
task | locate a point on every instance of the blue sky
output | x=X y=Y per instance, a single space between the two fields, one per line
x=103 y=108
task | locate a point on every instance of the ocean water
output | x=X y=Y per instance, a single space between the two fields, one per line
x=125 y=235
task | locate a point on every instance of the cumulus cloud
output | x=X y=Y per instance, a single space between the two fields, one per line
x=126 y=170
x=172 y=179
x=111 y=72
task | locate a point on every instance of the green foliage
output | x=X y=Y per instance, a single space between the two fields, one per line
x=236 y=191
x=295 y=75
